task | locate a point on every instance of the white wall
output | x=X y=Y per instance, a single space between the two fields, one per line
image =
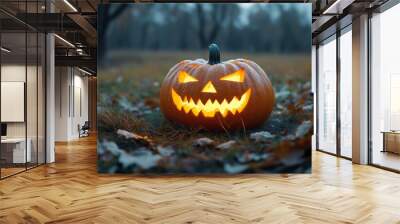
x=80 y=110
x=62 y=82
x=71 y=102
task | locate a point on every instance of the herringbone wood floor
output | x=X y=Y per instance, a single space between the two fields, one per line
x=70 y=191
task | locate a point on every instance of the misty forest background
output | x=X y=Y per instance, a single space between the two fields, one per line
x=139 y=43
x=268 y=28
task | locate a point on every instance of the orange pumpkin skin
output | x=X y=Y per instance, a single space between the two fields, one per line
x=255 y=87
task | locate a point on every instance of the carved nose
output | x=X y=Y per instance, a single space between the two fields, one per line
x=209 y=88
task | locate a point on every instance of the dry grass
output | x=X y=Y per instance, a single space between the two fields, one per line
x=149 y=65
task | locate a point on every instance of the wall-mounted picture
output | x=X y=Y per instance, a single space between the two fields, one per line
x=204 y=88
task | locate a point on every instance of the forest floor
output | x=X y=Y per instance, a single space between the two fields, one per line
x=134 y=136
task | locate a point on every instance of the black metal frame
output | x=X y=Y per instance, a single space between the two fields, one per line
x=338 y=98
x=0 y=89
x=44 y=71
x=316 y=97
x=369 y=113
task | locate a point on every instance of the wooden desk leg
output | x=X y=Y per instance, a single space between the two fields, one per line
x=384 y=142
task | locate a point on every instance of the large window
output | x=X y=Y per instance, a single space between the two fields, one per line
x=385 y=89
x=346 y=92
x=327 y=96
x=334 y=65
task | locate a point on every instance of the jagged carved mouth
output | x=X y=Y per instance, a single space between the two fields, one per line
x=209 y=108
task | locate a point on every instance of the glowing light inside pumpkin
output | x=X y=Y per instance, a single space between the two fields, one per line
x=209 y=88
x=184 y=77
x=209 y=108
x=237 y=76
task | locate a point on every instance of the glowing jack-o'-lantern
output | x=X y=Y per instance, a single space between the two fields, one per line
x=217 y=95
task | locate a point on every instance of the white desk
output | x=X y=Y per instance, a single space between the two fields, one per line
x=18 y=145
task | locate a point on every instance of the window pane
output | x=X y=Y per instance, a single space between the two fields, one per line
x=314 y=85
x=346 y=94
x=327 y=96
x=41 y=99
x=31 y=97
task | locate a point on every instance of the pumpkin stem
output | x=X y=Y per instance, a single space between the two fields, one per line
x=214 y=54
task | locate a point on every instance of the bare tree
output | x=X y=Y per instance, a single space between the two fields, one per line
x=107 y=15
x=209 y=27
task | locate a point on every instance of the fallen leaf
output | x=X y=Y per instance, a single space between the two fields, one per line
x=165 y=151
x=142 y=157
x=234 y=168
x=261 y=136
x=129 y=135
x=226 y=145
x=303 y=129
x=203 y=142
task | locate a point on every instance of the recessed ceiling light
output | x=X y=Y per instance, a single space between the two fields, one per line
x=64 y=40
x=84 y=71
x=70 y=5
x=5 y=50
x=337 y=7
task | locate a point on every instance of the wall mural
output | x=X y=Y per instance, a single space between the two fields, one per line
x=202 y=88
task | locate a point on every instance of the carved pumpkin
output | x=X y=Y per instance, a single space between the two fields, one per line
x=217 y=95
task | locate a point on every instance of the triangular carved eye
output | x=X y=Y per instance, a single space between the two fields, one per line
x=237 y=76
x=184 y=77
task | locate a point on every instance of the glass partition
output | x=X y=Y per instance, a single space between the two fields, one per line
x=22 y=77
x=14 y=153
x=31 y=99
